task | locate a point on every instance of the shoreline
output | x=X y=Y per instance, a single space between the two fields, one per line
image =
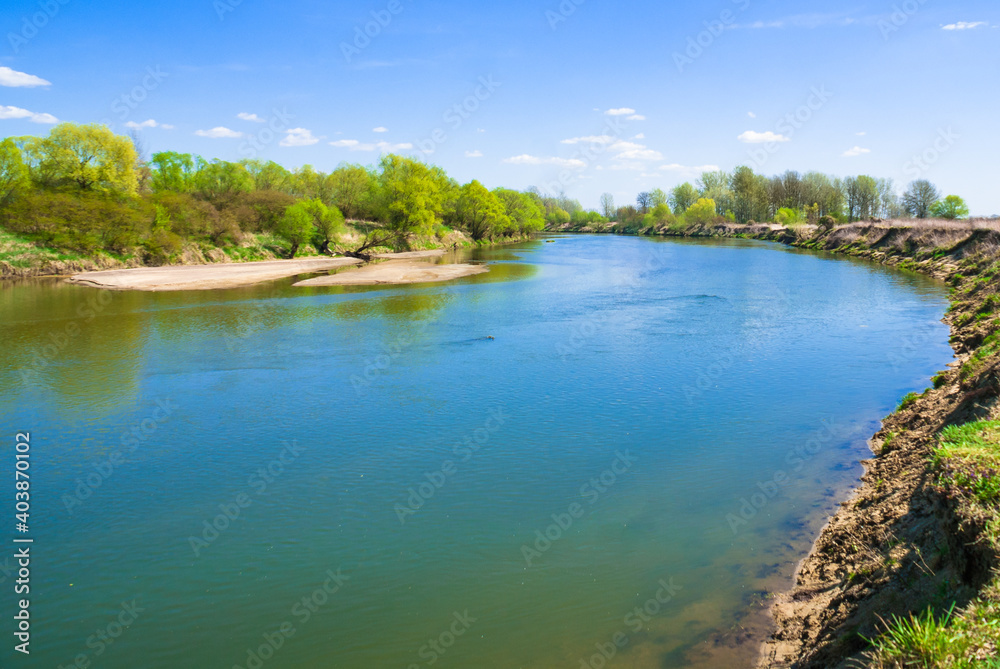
x=898 y=539
x=398 y=268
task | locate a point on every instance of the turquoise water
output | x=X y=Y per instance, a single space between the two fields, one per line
x=647 y=445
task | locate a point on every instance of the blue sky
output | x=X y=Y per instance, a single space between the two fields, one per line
x=586 y=98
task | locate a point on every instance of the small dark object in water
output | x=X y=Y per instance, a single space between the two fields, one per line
x=490 y=337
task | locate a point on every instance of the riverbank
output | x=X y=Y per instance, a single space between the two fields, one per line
x=922 y=532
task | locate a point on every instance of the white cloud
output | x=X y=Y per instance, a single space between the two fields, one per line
x=385 y=147
x=480 y=130
x=14 y=79
x=855 y=152
x=751 y=115
x=640 y=136
x=250 y=117
x=299 y=137
x=16 y=112
x=963 y=25
x=751 y=137
x=636 y=117
x=590 y=139
x=631 y=151
x=862 y=134
x=525 y=159
x=381 y=128
x=623 y=111
x=150 y=123
x=474 y=154
x=685 y=169
x=219 y=133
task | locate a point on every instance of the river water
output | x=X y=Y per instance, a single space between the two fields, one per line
x=363 y=478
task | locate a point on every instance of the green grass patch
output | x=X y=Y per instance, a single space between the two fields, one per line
x=986 y=350
x=907 y=401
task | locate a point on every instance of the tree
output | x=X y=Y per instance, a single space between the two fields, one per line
x=350 y=186
x=220 y=180
x=861 y=194
x=326 y=221
x=296 y=226
x=644 y=202
x=172 y=172
x=919 y=197
x=411 y=195
x=701 y=212
x=522 y=211
x=89 y=157
x=682 y=197
x=479 y=211
x=716 y=186
x=608 y=206
x=656 y=198
x=951 y=208
x=268 y=176
x=660 y=216
x=750 y=195
x=13 y=171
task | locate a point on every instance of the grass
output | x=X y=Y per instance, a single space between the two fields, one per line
x=22 y=253
x=967 y=459
x=989 y=348
x=907 y=401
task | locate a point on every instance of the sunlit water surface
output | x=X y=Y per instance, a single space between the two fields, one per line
x=636 y=404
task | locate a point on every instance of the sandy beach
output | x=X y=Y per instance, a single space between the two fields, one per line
x=206 y=277
x=395 y=273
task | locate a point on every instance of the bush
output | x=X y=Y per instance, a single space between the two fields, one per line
x=701 y=212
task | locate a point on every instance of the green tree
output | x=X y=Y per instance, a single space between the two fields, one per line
x=682 y=197
x=412 y=195
x=220 y=180
x=660 y=216
x=172 y=172
x=952 y=207
x=656 y=198
x=479 y=211
x=88 y=157
x=13 y=171
x=327 y=222
x=296 y=226
x=268 y=175
x=702 y=212
x=521 y=210
x=350 y=187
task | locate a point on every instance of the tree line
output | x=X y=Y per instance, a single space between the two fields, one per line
x=742 y=196
x=85 y=188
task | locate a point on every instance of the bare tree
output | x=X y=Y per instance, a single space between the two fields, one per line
x=920 y=195
x=608 y=206
x=644 y=200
